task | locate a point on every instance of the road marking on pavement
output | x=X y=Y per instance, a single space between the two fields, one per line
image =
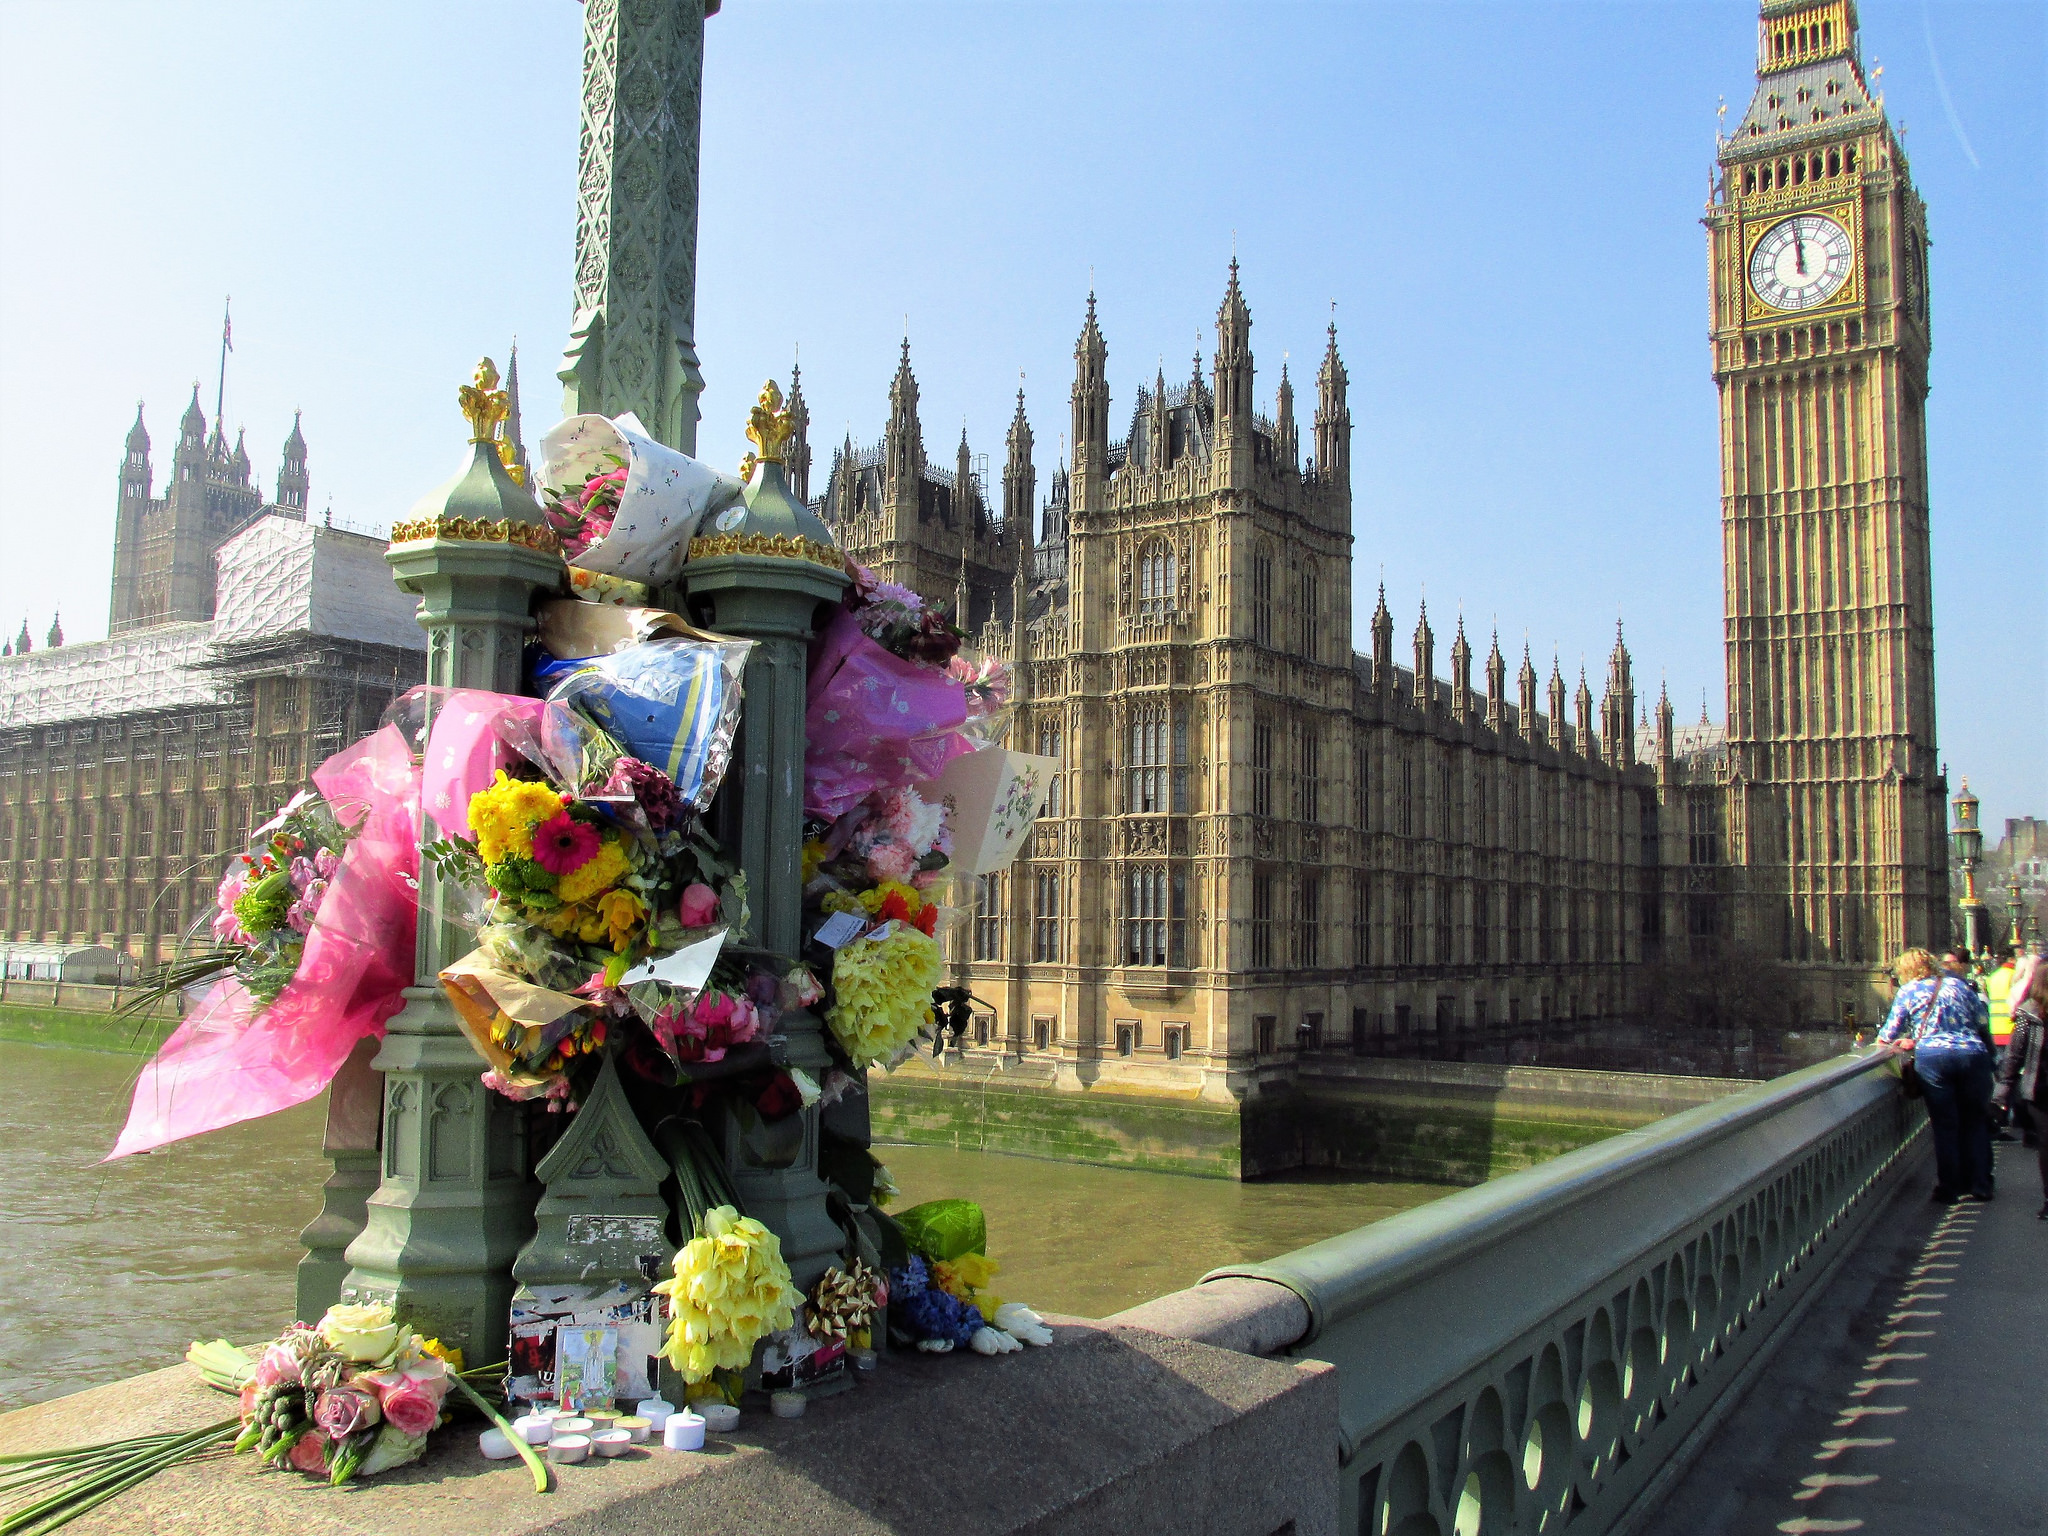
x=1887 y=1340
x=1886 y=1359
x=1799 y=1525
x=1871 y=1384
x=1847 y=1416
x=1897 y=1317
x=1818 y=1483
x=1830 y=1449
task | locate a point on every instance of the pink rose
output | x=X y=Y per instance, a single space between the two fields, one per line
x=412 y=1406
x=343 y=1410
x=699 y=905
x=892 y=861
x=278 y=1364
x=712 y=1009
x=309 y=1454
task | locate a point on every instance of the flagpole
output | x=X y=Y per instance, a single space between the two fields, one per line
x=226 y=346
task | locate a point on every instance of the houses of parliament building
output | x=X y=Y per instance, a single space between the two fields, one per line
x=1260 y=842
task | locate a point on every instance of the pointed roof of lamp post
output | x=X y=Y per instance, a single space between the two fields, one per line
x=770 y=521
x=483 y=492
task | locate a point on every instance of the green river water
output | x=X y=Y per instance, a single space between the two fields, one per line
x=111 y=1269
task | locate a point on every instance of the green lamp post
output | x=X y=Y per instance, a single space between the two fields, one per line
x=455 y=1199
x=1969 y=844
x=761 y=572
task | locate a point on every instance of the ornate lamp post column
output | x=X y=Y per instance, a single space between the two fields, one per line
x=454 y=1199
x=2016 y=915
x=761 y=573
x=1969 y=841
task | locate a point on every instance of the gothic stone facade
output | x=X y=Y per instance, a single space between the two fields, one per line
x=132 y=767
x=1258 y=841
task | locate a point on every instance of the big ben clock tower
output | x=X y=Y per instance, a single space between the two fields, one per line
x=1820 y=339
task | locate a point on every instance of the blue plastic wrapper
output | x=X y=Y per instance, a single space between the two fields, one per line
x=671 y=702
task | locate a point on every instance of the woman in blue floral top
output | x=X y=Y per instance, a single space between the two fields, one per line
x=1940 y=1021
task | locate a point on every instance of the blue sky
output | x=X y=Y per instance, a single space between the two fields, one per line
x=1503 y=199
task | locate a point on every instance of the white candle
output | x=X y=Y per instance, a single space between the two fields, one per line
x=534 y=1428
x=683 y=1432
x=495 y=1444
x=787 y=1405
x=719 y=1417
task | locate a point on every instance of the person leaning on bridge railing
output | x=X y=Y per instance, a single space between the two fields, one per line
x=1938 y=1019
x=2022 y=1084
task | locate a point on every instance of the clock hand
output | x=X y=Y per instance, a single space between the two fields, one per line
x=1799 y=249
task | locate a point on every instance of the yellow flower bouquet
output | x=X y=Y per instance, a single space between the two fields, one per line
x=882 y=992
x=730 y=1290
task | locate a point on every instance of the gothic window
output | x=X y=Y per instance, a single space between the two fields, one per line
x=85 y=834
x=1445 y=955
x=1443 y=801
x=1404 y=921
x=1308 y=614
x=1151 y=732
x=1518 y=923
x=1045 y=917
x=1361 y=918
x=1262 y=597
x=1407 y=796
x=1308 y=920
x=57 y=836
x=1262 y=768
x=1049 y=746
x=145 y=832
x=1262 y=921
x=1157 y=578
x=1148 y=910
x=1180 y=762
x=112 y=834
x=988 y=917
x=1041 y=1033
x=1364 y=789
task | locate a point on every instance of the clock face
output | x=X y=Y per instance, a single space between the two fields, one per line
x=1802 y=262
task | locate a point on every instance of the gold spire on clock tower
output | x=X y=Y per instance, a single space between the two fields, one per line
x=1820 y=349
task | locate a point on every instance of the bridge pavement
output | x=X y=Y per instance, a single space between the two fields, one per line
x=1912 y=1399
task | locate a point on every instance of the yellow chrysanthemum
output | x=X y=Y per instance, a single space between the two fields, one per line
x=814 y=858
x=731 y=1288
x=596 y=874
x=882 y=992
x=503 y=817
x=843 y=901
x=872 y=901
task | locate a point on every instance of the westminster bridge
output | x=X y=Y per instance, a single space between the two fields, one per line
x=1741 y=1317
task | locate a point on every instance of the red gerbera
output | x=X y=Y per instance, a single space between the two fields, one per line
x=562 y=844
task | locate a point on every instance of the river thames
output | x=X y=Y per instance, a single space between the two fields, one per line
x=110 y=1269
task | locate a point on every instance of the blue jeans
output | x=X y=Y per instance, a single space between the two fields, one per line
x=1958 y=1091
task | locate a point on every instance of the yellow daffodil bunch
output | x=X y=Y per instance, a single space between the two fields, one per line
x=731 y=1288
x=882 y=992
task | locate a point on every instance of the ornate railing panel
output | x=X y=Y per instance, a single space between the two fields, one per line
x=1531 y=1354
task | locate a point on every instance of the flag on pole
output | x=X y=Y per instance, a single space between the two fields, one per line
x=227 y=325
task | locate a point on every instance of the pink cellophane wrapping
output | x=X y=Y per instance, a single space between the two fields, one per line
x=874 y=720
x=233 y=1059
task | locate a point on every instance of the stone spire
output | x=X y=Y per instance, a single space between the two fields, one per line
x=1666 y=721
x=1618 y=707
x=1091 y=415
x=1496 y=686
x=1461 y=674
x=23 y=645
x=514 y=451
x=1525 y=695
x=1382 y=647
x=192 y=431
x=56 y=635
x=292 y=483
x=1557 y=720
x=1582 y=718
x=964 y=510
x=238 y=462
x=903 y=451
x=633 y=341
x=1286 y=439
x=796 y=456
x=1333 y=422
x=1232 y=371
x=1020 y=487
x=963 y=594
x=1424 y=694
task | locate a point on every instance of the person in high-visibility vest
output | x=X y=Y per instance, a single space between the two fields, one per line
x=1998 y=993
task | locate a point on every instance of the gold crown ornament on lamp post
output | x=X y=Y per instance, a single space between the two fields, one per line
x=487 y=501
x=769 y=521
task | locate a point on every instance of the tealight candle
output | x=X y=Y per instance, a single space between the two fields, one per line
x=863 y=1359
x=634 y=1425
x=611 y=1442
x=575 y=1426
x=719 y=1417
x=787 y=1405
x=601 y=1418
x=534 y=1428
x=655 y=1410
x=683 y=1432
x=495 y=1444
x=569 y=1448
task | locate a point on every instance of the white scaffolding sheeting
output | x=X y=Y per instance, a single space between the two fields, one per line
x=148 y=669
x=282 y=578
